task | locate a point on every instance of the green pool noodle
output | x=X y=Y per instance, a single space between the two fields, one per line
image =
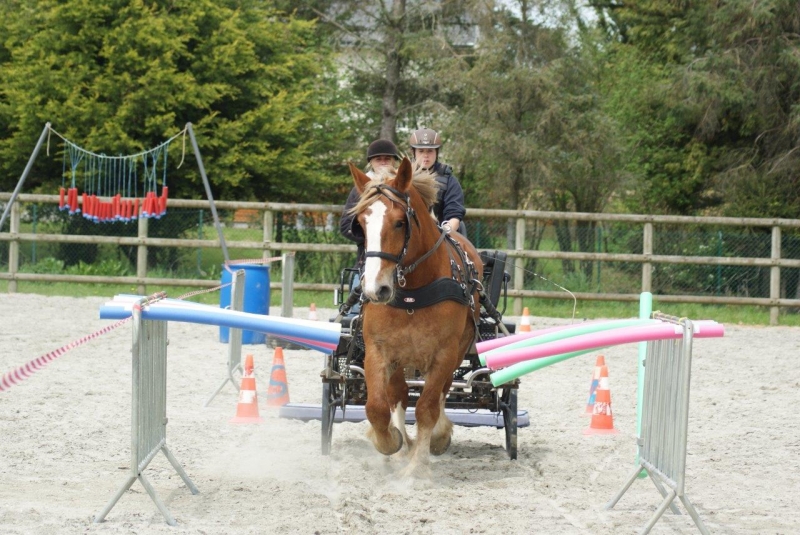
x=567 y=333
x=521 y=368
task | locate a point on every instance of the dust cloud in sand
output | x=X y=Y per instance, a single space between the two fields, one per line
x=65 y=443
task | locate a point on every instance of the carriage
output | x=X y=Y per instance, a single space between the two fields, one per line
x=343 y=378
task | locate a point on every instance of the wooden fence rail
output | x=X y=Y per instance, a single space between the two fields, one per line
x=520 y=218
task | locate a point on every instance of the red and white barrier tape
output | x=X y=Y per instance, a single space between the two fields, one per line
x=23 y=372
x=207 y=290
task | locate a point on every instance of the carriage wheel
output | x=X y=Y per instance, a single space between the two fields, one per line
x=509 y=407
x=328 y=414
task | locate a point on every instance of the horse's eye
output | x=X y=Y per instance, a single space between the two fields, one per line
x=399 y=224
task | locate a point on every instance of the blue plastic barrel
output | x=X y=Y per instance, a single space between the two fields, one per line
x=256 y=298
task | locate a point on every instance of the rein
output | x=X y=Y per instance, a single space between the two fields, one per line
x=457 y=288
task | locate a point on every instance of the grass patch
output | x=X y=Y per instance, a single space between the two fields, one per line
x=739 y=314
x=553 y=308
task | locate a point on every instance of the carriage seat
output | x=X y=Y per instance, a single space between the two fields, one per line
x=495 y=276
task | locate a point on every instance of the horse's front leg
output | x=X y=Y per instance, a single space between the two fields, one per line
x=398 y=404
x=386 y=438
x=433 y=427
x=443 y=430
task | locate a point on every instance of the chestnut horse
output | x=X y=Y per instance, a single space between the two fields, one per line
x=420 y=286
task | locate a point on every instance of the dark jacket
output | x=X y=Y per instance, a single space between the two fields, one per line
x=449 y=204
x=346 y=222
x=450 y=199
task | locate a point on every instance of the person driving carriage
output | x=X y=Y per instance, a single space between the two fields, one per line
x=425 y=144
x=383 y=158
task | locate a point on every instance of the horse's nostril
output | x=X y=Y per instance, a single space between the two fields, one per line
x=384 y=293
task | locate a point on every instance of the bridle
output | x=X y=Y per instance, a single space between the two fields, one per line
x=400 y=270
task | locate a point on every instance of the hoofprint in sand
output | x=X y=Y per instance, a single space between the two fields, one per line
x=65 y=443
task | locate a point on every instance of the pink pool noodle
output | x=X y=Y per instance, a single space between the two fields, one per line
x=487 y=345
x=702 y=329
x=325 y=347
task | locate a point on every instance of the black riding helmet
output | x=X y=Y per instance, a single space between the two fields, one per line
x=382 y=147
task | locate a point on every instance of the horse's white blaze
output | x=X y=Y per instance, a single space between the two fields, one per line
x=374 y=225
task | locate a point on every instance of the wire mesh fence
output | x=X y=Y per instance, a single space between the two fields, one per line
x=315 y=228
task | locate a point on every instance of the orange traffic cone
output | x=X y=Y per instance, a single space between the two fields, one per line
x=278 y=391
x=601 y=361
x=602 y=419
x=312 y=312
x=247 y=408
x=525 y=321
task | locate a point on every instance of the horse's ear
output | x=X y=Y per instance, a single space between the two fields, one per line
x=359 y=177
x=402 y=180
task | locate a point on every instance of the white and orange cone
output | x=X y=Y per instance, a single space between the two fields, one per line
x=278 y=391
x=247 y=408
x=601 y=361
x=525 y=321
x=602 y=418
x=312 y=312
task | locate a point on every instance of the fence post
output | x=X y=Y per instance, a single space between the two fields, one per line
x=200 y=234
x=519 y=269
x=141 y=255
x=269 y=224
x=287 y=283
x=13 y=247
x=775 y=276
x=35 y=222
x=647 y=249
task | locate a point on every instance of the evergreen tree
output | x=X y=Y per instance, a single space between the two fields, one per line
x=120 y=76
x=709 y=95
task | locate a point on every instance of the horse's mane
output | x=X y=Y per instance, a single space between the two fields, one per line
x=423 y=181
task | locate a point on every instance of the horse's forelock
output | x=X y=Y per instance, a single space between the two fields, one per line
x=369 y=195
x=424 y=182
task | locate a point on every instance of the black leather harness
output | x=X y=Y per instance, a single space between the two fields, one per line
x=460 y=287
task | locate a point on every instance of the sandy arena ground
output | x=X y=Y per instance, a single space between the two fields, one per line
x=65 y=444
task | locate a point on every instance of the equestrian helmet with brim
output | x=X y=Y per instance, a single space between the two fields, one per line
x=425 y=138
x=382 y=147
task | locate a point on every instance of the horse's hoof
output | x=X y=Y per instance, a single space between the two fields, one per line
x=398 y=438
x=396 y=435
x=439 y=448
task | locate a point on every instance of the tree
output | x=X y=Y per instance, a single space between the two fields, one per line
x=120 y=76
x=531 y=129
x=650 y=41
x=709 y=95
x=390 y=53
